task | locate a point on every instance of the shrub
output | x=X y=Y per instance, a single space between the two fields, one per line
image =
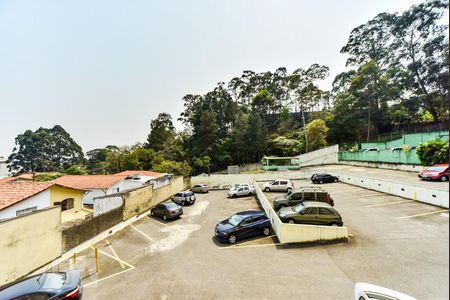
x=433 y=152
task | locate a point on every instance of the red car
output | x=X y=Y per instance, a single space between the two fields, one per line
x=437 y=172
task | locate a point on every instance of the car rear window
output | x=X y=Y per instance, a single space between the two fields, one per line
x=54 y=280
x=171 y=205
x=283 y=182
x=188 y=194
x=324 y=211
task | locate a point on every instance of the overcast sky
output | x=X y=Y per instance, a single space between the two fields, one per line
x=104 y=69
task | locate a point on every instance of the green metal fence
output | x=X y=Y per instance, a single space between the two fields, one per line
x=412 y=140
x=385 y=156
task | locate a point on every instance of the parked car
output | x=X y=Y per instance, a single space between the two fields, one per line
x=241 y=185
x=184 y=198
x=241 y=225
x=167 y=210
x=313 y=212
x=244 y=190
x=366 y=291
x=323 y=177
x=278 y=185
x=200 y=188
x=396 y=149
x=370 y=149
x=437 y=172
x=302 y=194
x=50 y=285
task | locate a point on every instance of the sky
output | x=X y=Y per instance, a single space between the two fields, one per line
x=104 y=69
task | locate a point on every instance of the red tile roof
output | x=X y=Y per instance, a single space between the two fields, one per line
x=15 y=191
x=89 y=182
x=140 y=172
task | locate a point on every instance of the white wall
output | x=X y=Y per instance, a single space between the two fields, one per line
x=401 y=167
x=324 y=156
x=122 y=185
x=41 y=200
x=105 y=204
x=427 y=195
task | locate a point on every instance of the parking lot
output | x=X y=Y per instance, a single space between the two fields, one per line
x=395 y=242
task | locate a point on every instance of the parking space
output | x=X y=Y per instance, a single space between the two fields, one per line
x=181 y=259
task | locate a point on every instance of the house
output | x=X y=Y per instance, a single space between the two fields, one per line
x=21 y=197
x=147 y=177
x=98 y=185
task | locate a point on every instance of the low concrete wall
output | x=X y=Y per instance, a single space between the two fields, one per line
x=106 y=203
x=431 y=196
x=324 y=156
x=217 y=182
x=186 y=183
x=177 y=184
x=138 y=200
x=401 y=167
x=73 y=236
x=298 y=233
x=28 y=242
x=161 y=194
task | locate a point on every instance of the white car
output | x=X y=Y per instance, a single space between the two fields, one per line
x=244 y=190
x=279 y=185
x=236 y=186
x=366 y=291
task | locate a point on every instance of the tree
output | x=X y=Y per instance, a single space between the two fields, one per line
x=316 y=135
x=162 y=131
x=76 y=170
x=44 y=150
x=433 y=152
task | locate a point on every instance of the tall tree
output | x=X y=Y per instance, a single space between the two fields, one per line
x=45 y=150
x=161 y=132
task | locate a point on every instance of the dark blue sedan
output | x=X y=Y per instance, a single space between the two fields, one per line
x=56 y=285
x=241 y=225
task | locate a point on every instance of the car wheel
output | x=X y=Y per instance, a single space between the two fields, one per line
x=290 y=221
x=183 y=203
x=288 y=189
x=334 y=224
x=152 y=213
x=266 y=189
x=444 y=178
x=165 y=218
x=232 y=239
x=266 y=231
x=321 y=181
x=336 y=180
x=250 y=194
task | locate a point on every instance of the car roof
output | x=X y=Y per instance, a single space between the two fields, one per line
x=308 y=188
x=250 y=213
x=316 y=204
x=441 y=165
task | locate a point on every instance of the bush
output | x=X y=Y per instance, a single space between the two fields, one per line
x=433 y=152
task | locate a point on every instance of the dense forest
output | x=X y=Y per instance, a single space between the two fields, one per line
x=398 y=73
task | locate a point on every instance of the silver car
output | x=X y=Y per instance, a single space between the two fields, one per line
x=200 y=188
x=241 y=191
x=278 y=185
x=184 y=198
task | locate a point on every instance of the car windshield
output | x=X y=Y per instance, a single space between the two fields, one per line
x=437 y=169
x=298 y=208
x=171 y=205
x=54 y=280
x=235 y=220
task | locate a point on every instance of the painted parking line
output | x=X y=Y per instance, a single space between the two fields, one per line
x=424 y=214
x=107 y=277
x=122 y=265
x=161 y=223
x=250 y=246
x=260 y=239
x=347 y=191
x=389 y=203
x=143 y=233
x=113 y=257
x=365 y=196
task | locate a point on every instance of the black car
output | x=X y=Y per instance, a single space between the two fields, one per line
x=323 y=177
x=167 y=210
x=51 y=285
x=241 y=225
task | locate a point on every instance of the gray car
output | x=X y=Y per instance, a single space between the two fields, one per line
x=200 y=188
x=303 y=194
x=313 y=213
x=184 y=198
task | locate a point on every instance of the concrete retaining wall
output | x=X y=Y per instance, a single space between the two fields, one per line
x=177 y=184
x=324 y=156
x=77 y=234
x=28 y=242
x=298 y=233
x=431 y=196
x=138 y=200
x=401 y=167
x=107 y=203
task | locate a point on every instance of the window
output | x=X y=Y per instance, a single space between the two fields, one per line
x=66 y=204
x=257 y=218
x=325 y=211
x=311 y=211
x=25 y=211
x=246 y=221
x=296 y=196
x=276 y=183
x=283 y=182
x=309 y=196
x=115 y=190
